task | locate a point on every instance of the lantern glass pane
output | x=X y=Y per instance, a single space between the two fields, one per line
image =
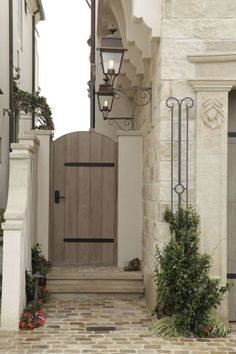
x=111 y=62
x=106 y=102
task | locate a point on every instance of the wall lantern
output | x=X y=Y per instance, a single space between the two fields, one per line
x=40 y=280
x=105 y=95
x=1 y=93
x=112 y=53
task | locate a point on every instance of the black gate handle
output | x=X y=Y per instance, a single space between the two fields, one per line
x=57 y=197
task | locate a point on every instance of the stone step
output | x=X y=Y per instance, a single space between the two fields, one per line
x=93 y=274
x=92 y=280
x=112 y=289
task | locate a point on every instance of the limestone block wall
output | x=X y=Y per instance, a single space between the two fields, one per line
x=187 y=27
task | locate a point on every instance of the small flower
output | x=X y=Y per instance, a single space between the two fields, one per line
x=39 y=301
x=41 y=322
x=21 y=324
x=38 y=313
x=30 y=325
x=43 y=290
x=26 y=314
x=206 y=330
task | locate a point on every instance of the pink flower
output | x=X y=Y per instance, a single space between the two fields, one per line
x=26 y=314
x=39 y=301
x=38 y=313
x=206 y=330
x=43 y=290
x=21 y=324
x=30 y=325
x=41 y=322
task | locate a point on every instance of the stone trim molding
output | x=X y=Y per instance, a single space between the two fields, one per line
x=37 y=132
x=210 y=85
x=212 y=57
x=30 y=137
x=129 y=133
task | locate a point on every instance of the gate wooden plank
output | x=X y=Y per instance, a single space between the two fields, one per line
x=51 y=203
x=84 y=197
x=71 y=195
x=95 y=253
x=59 y=217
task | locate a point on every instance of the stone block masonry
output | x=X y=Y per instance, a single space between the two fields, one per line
x=68 y=330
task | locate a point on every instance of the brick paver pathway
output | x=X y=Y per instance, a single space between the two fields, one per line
x=69 y=326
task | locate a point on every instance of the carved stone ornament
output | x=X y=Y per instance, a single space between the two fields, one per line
x=212 y=112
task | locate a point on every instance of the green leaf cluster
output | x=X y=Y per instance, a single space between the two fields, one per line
x=31 y=103
x=39 y=262
x=183 y=284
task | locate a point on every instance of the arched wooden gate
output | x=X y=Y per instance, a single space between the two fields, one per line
x=84 y=200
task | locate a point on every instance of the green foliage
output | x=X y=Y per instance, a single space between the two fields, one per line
x=31 y=103
x=216 y=327
x=32 y=316
x=1 y=220
x=29 y=287
x=41 y=265
x=184 y=286
x=166 y=327
x=39 y=262
x=134 y=265
x=210 y=328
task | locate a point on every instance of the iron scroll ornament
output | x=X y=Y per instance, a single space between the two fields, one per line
x=143 y=98
x=182 y=105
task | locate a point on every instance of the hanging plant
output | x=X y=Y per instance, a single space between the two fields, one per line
x=31 y=103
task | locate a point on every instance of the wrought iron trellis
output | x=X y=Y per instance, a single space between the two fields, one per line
x=180 y=187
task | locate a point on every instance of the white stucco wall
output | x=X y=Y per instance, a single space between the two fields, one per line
x=22 y=57
x=19 y=230
x=4 y=102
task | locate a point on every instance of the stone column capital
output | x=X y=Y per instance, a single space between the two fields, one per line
x=209 y=85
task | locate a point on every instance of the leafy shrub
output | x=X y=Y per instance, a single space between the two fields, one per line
x=184 y=287
x=31 y=103
x=29 y=287
x=39 y=262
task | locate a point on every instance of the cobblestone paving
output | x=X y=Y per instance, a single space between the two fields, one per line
x=68 y=330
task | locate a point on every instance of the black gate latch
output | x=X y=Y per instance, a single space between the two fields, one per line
x=57 y=197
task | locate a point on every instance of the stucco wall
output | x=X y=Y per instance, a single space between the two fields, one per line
x=4 y=100
x=22 y=57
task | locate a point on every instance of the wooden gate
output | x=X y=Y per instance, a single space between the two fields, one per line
x=84 y=189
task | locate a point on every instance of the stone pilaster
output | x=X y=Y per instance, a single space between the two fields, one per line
x=211 y=171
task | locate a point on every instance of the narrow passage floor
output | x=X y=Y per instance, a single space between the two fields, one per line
x=106 y=325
